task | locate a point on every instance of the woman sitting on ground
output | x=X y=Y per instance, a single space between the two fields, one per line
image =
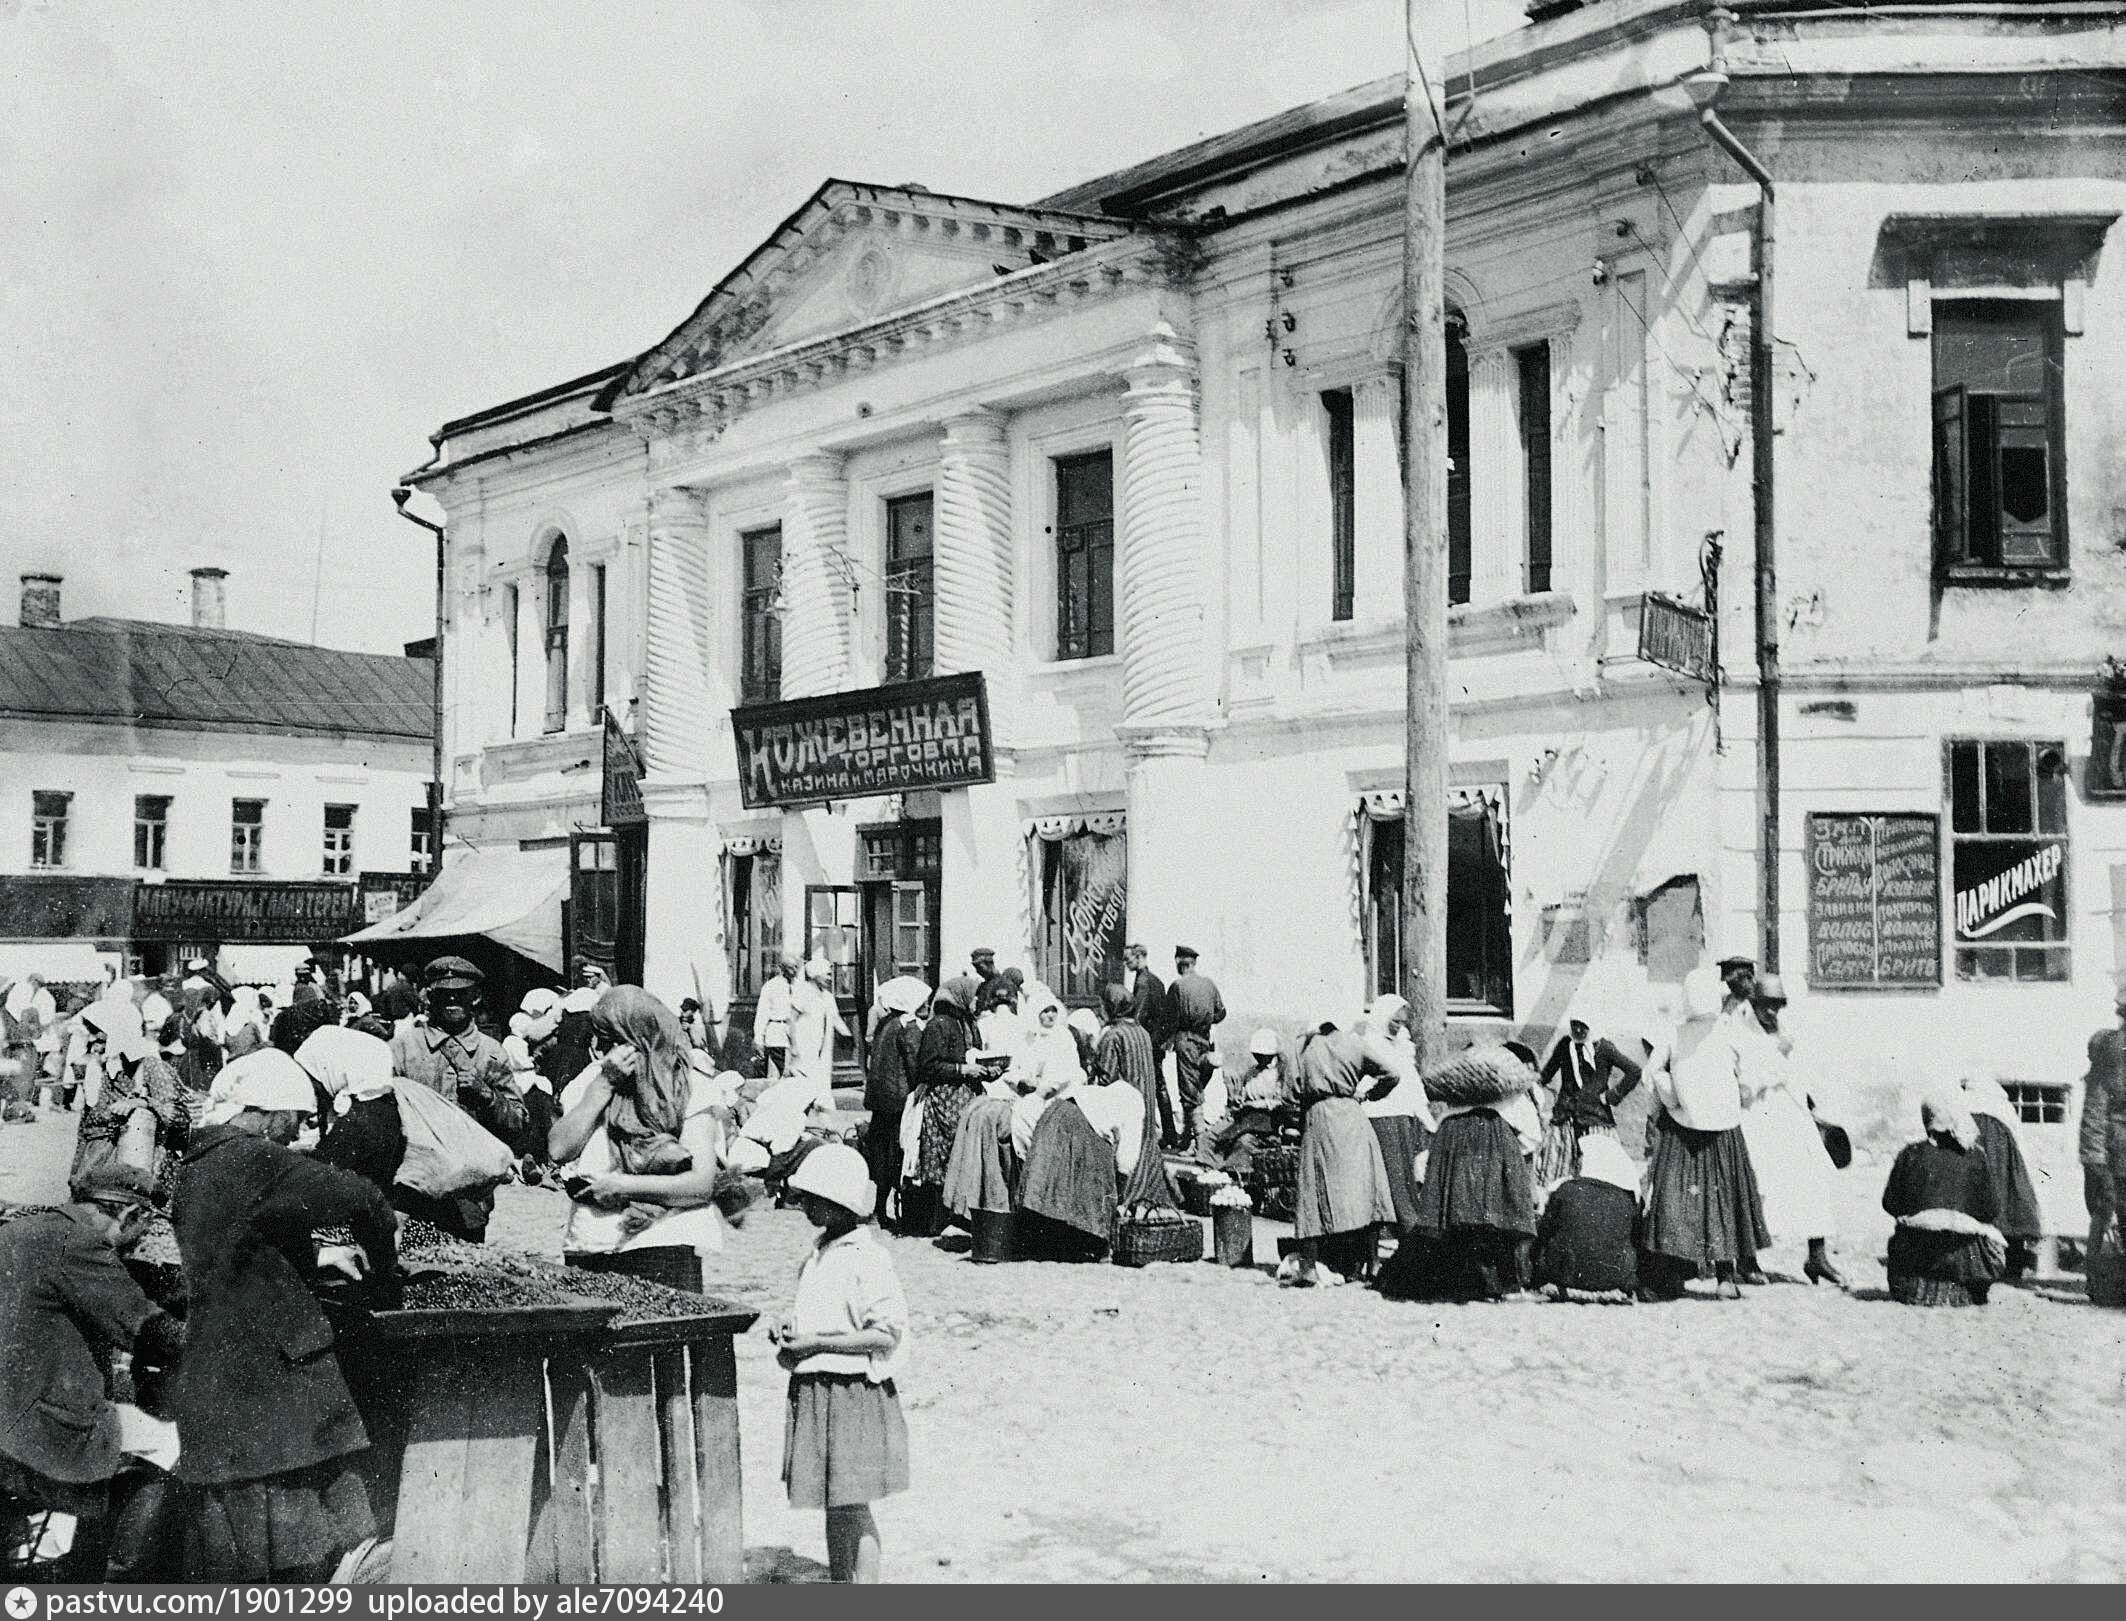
x=1587 y=1243
x=1946 y=1250
x=1258 y=1121
x=1044 y=1068
x=1476 y=1208
x=2000 y=1139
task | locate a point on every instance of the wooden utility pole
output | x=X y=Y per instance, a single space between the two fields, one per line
x=1425 y=558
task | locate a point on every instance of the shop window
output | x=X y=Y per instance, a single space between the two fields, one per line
x=1343 y=502
x=1085 y=555
x=2038 y=1103
x=760 y=563
x=1999 y=472
x=1532 y=371
x=420 y=842
x=247 y=835
x=1081 y=912
x=557 y=635
x=753 y=930
x=2008 y=820
x=339 y=841
x=1458 y=516
x=48 y=818
x=151 y=831
x=911 y=596
x=1479 y=902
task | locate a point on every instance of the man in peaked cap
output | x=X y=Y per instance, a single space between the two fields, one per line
x=1193 y=1009
x=452 y=1056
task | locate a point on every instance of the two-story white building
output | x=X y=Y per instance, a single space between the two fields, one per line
x=188 y=789
x=1130 y=453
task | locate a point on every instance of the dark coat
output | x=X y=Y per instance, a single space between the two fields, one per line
x=369 y=1140
x=1590 y=1105
x=1147 y=1005
x=893 y=1059
x=943 y=1049
x=66 y=1301
x=259 y=1391
x=1588 y=1237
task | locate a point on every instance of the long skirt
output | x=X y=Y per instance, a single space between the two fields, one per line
x=1702 y=1204
x=983 y=1170
x=2014 y=1194
x=1070 y=1173
x=1476 y=1178
x=942 y=1108
x=1343 y=1181
x=1402 y=1138
x=844 y=1441
x=286 y=1527
x=1793 y=1172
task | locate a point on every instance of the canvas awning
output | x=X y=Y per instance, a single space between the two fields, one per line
x=510 y=896
x=60 y=962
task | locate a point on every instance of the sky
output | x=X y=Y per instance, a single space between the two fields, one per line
x=252 y=255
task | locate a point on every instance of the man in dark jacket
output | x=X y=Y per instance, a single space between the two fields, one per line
x=1147 y=1007
x=66 y=1303
x=1592 y=1076
x=1193 y=1009
x=265 y=1423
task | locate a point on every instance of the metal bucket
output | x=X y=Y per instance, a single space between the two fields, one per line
x=1233 y=1233
x=992 y=1236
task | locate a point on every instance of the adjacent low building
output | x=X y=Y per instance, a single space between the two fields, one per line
x=182 y=790
x=1029 y=575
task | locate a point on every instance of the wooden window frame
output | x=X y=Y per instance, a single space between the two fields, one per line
x=1085 y=547
x=1972 y=430
x=338 y=860
x=1531 y=364
x=151 y=832
x=51 y=810
x=555 y=637
x=911 y=594
x=1340 y=447
x=760 y=624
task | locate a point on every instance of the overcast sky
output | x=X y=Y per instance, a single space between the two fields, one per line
x=251 y=255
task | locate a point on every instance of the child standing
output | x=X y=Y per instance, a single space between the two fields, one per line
x=843 y=1339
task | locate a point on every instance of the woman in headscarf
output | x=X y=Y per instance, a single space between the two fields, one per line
x=1044 y=1068
x=1702 y=1204
x=362 y=1130
x=1084 y=1025
x=1402 y=1118
x=205 y=1033
x=998 y=1020
x=1947 y=1250
x=1587 y=1243
x=951 y=1081
x=1476 y=1209
x=2021 y=1219
x=1786 y=1151
x=531 y=1028
x=640 y=1148
x=1125 y=1059
x=896 y=1037
x=141 y=1112
x=1343 y=1185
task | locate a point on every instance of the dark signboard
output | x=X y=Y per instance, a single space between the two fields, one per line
x=1675 y=636
x=620 y=802
x=386 y=894
x=850 y=745
x=1874 y=901
x=2107 y=747
x=262 y=913
x=2010 y=891
x=66 y=908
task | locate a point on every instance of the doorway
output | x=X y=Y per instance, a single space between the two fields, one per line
x=899 y=866
x=833 y=931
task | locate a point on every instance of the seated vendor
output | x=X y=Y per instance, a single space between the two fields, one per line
x=66 y=1303
x=1587 y=1241
x=1946 y=1250
x=1260 y=1115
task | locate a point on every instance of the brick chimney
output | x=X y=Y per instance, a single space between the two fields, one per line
x=40 y=601
x=210 y=598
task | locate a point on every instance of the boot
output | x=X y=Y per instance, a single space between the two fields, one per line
x=1819 y=1269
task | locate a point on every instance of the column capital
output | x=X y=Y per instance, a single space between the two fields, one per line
x=1165 y=742
x=977 y=425
x=1165 y=358
x=818 y=467
x=675 y=506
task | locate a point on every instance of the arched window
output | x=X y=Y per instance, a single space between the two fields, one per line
x=557 y=635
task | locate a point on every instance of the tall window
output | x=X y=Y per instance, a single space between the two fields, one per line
x=339 y=841
x=1343 y=502
x=753 y=932
x=1081 y=912
x=1457 y=461
x=2008 y=822
x=2000 y=478
x=911 y=594
x=557 y=635
x=247 y=835
x=1479 y=904
x=151 y=830
x=761 y=566
x=48 y=819
x=509 y=631
x=1532 y=370
x=597 y=659
x=1085 y=555
x=420 y=842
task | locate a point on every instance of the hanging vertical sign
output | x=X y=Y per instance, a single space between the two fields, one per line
x=620 y=802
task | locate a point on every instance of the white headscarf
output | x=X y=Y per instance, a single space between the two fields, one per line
x=1945 y=1111
x=267 y=1079
x=1603 y=1159
x=351 y=1065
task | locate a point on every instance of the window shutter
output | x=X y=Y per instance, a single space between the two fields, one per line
x=1952 y=478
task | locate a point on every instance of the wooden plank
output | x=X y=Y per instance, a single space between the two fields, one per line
x=713 y=1366
x=624 y=1419
x=675 y=1446
x=568 y=1518
x=465 y=1488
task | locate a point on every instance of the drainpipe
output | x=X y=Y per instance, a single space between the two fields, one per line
x=1705 y=88
x=400 y=496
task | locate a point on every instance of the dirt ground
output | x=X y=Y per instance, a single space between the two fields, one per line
x=1188 y=1423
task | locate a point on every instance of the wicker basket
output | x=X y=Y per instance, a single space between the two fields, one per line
x=1273 y=1179
x=1142 y=1237
x=1475 y=1076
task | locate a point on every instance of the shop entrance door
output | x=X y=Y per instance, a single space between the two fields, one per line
x=898 y=863
x=832 y=931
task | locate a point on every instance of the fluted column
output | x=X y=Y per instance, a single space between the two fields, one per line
x=1376 y=430
x=1496 y=529
x=973 y=562
x=1163 y=559
x=816 y=629
x=676 y=710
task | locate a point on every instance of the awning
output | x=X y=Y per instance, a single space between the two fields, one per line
x=512 y=897
x=61 y=962
x=244 y=964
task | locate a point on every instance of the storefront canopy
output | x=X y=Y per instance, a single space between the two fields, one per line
x=512 y=897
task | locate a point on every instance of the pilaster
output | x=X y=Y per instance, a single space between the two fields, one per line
x=817 y=611
x=1376 y=435
x=1496 y=498
x=973 y=565
x=677 y=709
x=1164 y=562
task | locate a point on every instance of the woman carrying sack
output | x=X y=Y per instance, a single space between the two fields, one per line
x=639 y=1145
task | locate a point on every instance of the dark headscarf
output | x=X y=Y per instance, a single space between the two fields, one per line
x=1117 y=1000
x=649 y=1107
x=958 y=993
x=293 y=1026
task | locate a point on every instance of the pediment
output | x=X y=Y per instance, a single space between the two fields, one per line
x=854 y=254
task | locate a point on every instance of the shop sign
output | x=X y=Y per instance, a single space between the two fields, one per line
x=262 y=913
x=1874 y=901
x=620 y=802
x=386 y=894
x=1675 y=636
x=854 y=745
x=2011 y=890
x=42 y=908
x=2107 y=747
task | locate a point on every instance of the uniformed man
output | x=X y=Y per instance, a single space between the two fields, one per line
x=1193 y=1009
x=450 y=1055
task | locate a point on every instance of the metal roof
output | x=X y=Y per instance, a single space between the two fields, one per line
x=142 y=673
